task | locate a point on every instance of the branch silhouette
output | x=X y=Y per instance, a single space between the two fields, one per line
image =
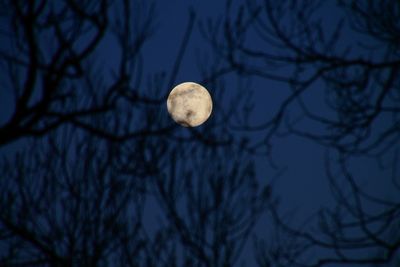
x=352 y=59
x=100 y=158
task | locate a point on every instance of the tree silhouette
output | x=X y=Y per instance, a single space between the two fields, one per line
x=44 y=64
x=100 y=159
x=106 y=179
x=68 y=201
x=353 y=57
x=210 y=205
x=65 y=206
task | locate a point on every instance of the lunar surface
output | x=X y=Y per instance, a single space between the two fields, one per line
x=189 y=104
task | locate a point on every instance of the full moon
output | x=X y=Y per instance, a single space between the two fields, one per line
x=189 y=104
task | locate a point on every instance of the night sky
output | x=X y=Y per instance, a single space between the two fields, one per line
x=320 y=175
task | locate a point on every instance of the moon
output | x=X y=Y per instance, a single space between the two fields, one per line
x=189 y=104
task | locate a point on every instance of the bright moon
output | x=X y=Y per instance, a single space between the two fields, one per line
x=189 y=104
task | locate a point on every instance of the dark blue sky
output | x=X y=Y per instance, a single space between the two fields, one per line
x=299 y=181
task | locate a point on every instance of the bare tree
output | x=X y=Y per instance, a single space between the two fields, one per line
x=50 y=58
x=45 y=56
x=354 y=57
x=64 y=205
x=74 y=199
x=103 y=149
x=211 y=205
